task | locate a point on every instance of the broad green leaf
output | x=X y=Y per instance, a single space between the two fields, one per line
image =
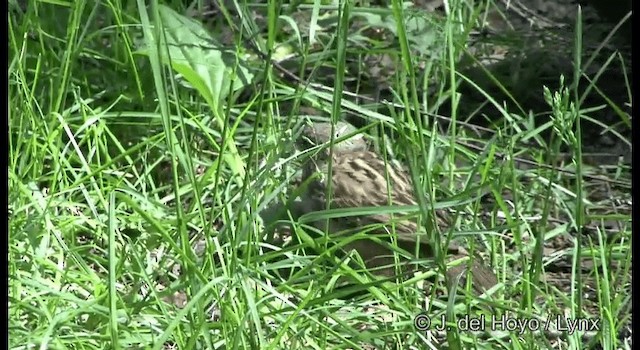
x=200 y=58
x=205 y=66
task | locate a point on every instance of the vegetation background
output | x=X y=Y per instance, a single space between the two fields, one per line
x=146 y=137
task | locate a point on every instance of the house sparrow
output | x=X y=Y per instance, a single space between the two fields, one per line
x=361 y=178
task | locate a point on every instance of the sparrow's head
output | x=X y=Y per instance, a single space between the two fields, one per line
x=318 y=134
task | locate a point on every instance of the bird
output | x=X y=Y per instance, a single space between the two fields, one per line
x=361 y=178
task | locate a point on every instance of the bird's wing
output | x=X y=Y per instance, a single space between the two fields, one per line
x=361 y=179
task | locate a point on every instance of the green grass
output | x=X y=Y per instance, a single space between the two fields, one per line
x=143 y=145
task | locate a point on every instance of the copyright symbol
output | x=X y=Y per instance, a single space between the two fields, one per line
x=422 y=322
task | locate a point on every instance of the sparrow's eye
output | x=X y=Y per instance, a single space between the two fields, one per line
x=343 y=130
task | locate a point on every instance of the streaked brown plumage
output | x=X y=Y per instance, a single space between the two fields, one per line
x=361 y=178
